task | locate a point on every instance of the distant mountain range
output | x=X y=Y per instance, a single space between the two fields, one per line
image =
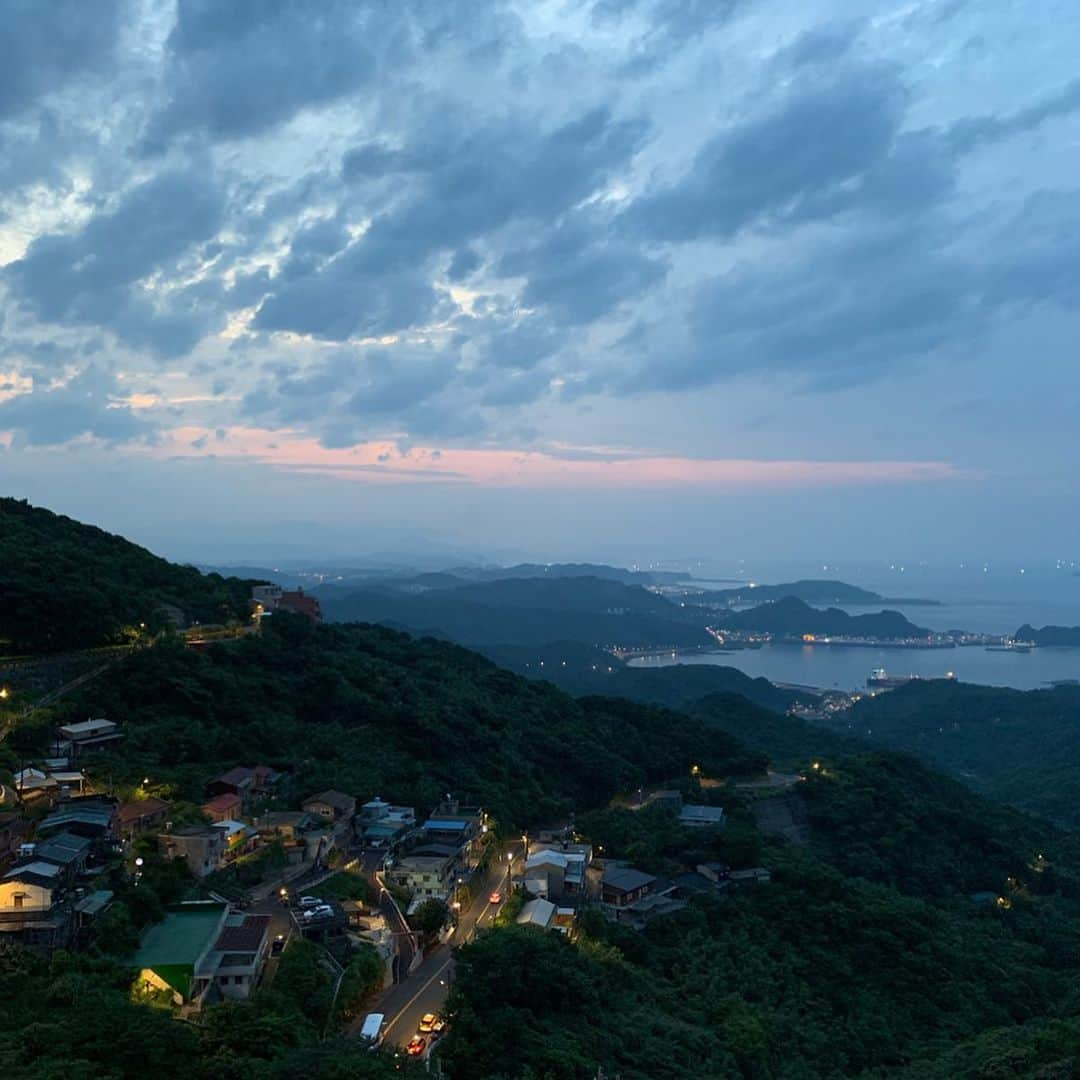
x=791 y=616
x=1049 y=635
x=593 y=611
x=810 y=591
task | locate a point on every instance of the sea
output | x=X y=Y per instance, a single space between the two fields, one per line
x=978 y=596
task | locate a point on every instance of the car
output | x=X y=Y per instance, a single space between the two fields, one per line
x=323 y=911
x=278 y=945
x=427 y=1023
x=495 y=897
x=439 y=1026
x=309 y=902
x=416 y=1046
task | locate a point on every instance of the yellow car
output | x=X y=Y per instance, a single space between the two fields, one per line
x=427 y=1023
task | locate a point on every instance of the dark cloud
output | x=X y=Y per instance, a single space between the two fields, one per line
x=466 y=187
x=971 y=133
x=45 y=46
x=581 y=272
x=83 y=406
x=241 y=68
x=804 y=159
x=91 y=276
x=348 y=397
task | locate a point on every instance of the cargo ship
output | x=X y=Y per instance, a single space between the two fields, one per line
x=880 y=679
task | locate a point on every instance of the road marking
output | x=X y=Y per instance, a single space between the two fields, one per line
x=408 y=1004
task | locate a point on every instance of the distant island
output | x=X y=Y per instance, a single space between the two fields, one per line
x=1049 y=635
x=810 y=591
x=791 y=617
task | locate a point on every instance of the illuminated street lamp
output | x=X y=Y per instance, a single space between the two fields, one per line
x=4 y=692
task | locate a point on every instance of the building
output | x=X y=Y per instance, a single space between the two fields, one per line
x=239 y=782
x=331 y=805
x=202 y=952
x=426 y=876
x=265 y=597
x=93 y=816
x=623 y=885
x=225 y=807
x=557 y=872
x=32 y=783
x=33 y=907
x=239 y=838
x=300 y=604
x=202 y=847
x=701 y=816
x=716 y=872
x=539 y=913
x=381 y=824
x=87 y=734
x=66 y=850
x=756 y=875
x=142 y=815
x=461 y=829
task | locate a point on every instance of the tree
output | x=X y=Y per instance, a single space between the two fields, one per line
x=430 y=917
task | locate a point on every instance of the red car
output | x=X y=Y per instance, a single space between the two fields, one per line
x=416 y=1047
x=495 y=897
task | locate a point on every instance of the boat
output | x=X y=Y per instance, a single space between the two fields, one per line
x=880 y=679
x=1012 y=646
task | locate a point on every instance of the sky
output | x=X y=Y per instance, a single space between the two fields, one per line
x=590 y=279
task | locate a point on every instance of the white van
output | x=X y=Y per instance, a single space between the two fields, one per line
x=372 y=1028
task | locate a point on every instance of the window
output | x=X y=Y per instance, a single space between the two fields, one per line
x=19 y=898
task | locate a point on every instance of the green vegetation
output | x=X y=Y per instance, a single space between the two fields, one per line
x=526 y=612
x=864 y=957
x=1019 y=747
x=791 y=616
x=580 y=669
x=368 y=710
x=64 y=585
x=72 y=1019
x=363 y=977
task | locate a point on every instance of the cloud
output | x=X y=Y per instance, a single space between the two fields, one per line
x=805 y=158
x=239 y=69
x=44 y=47
x=85 y=405
x=97 y=274
x=464 y=188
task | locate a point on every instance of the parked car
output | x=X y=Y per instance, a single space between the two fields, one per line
x=416 y=1046
x=309 y=902
x=427 y=1023
x=323 y=911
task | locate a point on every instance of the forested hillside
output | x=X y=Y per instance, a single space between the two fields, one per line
x=1020 y=747
x=865 y=956
x=67 y=585
x=532 y=612
x=369 y=710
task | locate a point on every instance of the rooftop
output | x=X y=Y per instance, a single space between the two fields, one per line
x=246 y=934
x=140 y=808
x=705 y=815
x=337 y=799
x=63 y=848
x=185 y=933
x=537 y=913
x=626 y=878
x=42 y=872
x=238 y=776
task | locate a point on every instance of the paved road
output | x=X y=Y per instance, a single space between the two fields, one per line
x=425 y=990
